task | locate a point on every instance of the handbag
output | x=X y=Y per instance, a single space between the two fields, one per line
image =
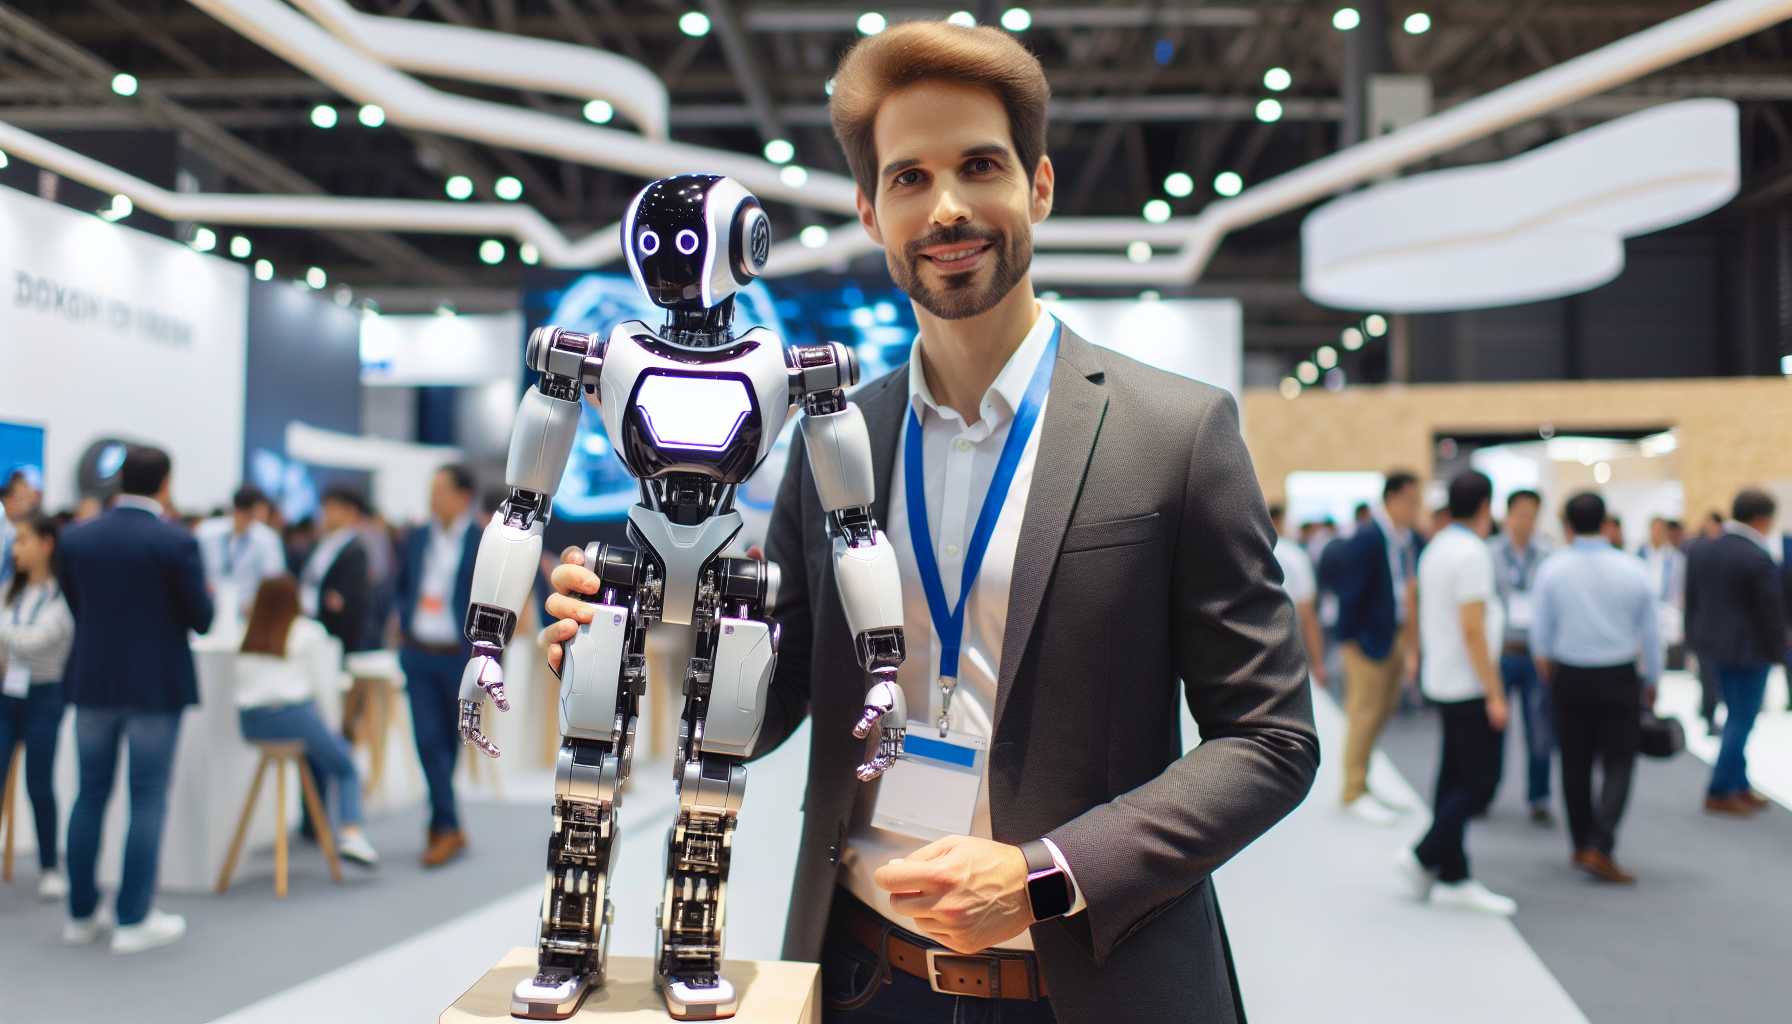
x=1661 y=737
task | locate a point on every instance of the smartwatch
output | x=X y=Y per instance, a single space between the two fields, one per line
x=1048 y=887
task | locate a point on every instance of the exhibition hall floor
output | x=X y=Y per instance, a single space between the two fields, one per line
x=1320 y=927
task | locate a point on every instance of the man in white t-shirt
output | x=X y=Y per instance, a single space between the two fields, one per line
x=1303 y=589
x=1460 y=619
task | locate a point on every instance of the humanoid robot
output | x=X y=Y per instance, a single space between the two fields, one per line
x=692 y=409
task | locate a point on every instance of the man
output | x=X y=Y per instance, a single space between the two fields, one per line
x=1594 y=623
x=1613 y=531
x=134 y=584
x=333 y=587
x=1736 y=615
x=1459 y=616
x=1518 y=552
x=1786 y=577
x=18 y=499
x=1666 y=565
x=241 y=550
x=1303 y=590
x=1133 y=523
x=435 y=585
x=1372 y=571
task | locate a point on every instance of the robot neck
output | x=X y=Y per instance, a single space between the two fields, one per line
x=701 y=328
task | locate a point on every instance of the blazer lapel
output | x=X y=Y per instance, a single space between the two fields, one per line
x=1072 y=420
x=884 y=402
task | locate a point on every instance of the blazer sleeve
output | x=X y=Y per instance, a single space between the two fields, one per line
x=1245 y=675
x=188 y=584
x=404 y=583
x=348 y=577
x=787 y=701
x=1344 y=560
x=1767 y=604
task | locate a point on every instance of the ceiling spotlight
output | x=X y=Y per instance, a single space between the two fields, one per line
x=1377 y=324
x=1307 y=372
x=264 y=270
x=1228 y=183
x=124 y=85
x=1326 y=357
x=1157 y=211
x=1179 y=184
x=120 y=209
x=491 y=252
x=1351 y=338
x=459 y=187
x=779 y=151
x=316 y=278
x=1269 y=111
x=204 y=239
x=1055 y=296
x=694 y=24
x=793 y=176
x=240 y=247
x=3 y=160
x=1017 y=19
x=814 y=236
x=445 y=309
x=1139 y=252
x=528 y=254
x=508 y=188
x=323 y=115
x=599 y=111
x=372 y=115
x=963 y=19
x=1150 y=295
x=1290 y=388
x=1346 y=19
x=1418 y=23
x=828 y=87
x=871 y=23
x=1277 y=79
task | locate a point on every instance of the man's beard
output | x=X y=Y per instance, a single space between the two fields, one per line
x=959 y=296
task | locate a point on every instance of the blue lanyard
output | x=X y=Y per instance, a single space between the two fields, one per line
x=18 y=608
x=948 y=621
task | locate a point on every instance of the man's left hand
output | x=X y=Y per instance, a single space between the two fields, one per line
x=965 y=893
x=333 y=602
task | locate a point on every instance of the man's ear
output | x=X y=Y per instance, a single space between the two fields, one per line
x=867 y=215
x=1045 y=181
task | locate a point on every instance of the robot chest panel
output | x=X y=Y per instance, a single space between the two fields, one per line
x=712 y=412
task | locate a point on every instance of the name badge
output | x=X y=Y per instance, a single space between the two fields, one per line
x=430 y=604
x=1518 y=609
x=931 y=792
x=18 y=680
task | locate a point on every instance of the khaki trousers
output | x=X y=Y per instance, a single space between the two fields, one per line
x=1371 y=692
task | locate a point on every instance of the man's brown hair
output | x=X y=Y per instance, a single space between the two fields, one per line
x=921 y=51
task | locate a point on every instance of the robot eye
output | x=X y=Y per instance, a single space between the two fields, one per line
x=650 y=242
x=687 y=241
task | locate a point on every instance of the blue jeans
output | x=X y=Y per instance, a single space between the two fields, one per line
x=152 y=736
x=1745 y=687
x=432 y=684
x=332 y=763
x=1524 y=690
x=35 y=719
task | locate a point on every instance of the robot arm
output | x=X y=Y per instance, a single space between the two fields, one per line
x=510 y=551
x=865 y=570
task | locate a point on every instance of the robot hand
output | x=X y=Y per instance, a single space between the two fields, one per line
x=887 y=711
x=484 y=676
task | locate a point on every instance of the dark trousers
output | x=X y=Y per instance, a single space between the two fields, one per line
x=1598 y=722
x=1525 y=695
x=1711 y=690
x=432 y=683
x=1745 y=686
x=853 y=976
x=34 y=720
x=152 y=736
x=1466 y=775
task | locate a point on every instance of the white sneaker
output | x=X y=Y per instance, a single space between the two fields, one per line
x=157 y=929
x=1415 y=876
x=1392 y=803
x=1472 y=895
x=1367 y=809
x=51 y=886
x=358 y=850
x=83 y=930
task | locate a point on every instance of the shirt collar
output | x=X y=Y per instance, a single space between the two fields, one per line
x=1388 y=529
x=1010 y=386
x=1760 y=540
x=455 y=530
x=1593 y=544
x=140 y=503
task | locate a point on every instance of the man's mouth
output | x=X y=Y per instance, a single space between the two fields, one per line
x=958 y=257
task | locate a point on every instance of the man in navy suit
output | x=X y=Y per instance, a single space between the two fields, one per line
x=136 y=586
x=1373 y=574
x=435 y=584
x=1786 y=578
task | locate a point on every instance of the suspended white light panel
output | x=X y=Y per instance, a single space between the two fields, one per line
x=1549 y=223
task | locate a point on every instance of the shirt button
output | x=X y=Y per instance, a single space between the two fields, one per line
x=951 y=551
x=964 y=446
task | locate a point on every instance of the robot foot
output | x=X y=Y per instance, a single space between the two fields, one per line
x=700 y=997
x=551 y=995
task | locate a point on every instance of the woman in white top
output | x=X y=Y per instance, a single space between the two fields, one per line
x=276 y=680
x=36 y=633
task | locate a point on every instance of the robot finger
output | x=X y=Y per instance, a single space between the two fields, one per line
x=470 y=731
x=496 y=690
x=874 y=769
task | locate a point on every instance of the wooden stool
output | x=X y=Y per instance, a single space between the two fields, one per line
x=278 y=753
x=367 y=712
x=9 y=807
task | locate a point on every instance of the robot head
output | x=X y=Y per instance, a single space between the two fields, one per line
x=693 y=240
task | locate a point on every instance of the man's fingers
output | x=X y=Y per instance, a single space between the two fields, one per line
x=934 y=850
x=572 y=555
x=555 y=654
x=561 y=606
x=907 y=876
x=914 y=904
x=558 y=632
x=756 y=552
x=574 y=579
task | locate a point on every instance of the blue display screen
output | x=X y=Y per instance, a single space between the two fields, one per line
x=22 y=448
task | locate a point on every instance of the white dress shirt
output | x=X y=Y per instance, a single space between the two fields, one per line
x=959 y=461
x=239 y=561
x=432 y=621
x=1297 y=571
x=307 y=669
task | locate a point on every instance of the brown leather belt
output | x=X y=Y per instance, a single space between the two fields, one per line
x=993 y=974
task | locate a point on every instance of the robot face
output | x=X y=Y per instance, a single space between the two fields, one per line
x=694 y=239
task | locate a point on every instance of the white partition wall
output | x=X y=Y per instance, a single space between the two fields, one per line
x=1198 y=338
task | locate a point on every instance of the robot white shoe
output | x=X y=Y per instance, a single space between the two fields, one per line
x=688 y=1001
x=533 y=1001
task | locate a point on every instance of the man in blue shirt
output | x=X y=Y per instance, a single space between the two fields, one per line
x=1517 y=555
x=1593 y=623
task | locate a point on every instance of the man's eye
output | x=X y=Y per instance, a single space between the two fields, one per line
x=981 y=165
x=908 y=178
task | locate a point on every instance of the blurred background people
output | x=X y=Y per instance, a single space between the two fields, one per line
x=1613 y=531
x=36 y=633
x=1666 y=565
x=240 y=550
x=135 y=586
x=1298 y=580
x=1372 y=573
x=1736 y=615
x=18 y=499
x=1518 y=553
x=1594 y=625
x=277 y=682
x=333 y=589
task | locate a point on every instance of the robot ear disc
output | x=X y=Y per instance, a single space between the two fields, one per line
x=754 y=235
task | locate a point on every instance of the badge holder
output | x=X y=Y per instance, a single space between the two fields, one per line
x=931 y=792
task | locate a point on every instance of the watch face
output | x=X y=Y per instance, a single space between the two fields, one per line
x=1049 y=893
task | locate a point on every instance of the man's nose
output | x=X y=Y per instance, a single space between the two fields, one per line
x=948 y=209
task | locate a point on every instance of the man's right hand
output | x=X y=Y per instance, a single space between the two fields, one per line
x=569 y=579
x=1498 y=713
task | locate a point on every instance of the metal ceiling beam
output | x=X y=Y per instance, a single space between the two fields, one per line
x=746 y=65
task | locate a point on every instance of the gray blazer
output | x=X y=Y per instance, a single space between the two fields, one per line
x=1145 y=557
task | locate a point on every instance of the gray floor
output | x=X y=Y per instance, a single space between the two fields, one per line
x=246 y=944
x=1706 y=935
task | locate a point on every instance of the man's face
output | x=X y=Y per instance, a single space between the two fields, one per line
x=1658 y=533
x=446 y=501
x=335 y=515
x=1403 y=506
x=19 y=500
x=950 y=185
x=1521 y=520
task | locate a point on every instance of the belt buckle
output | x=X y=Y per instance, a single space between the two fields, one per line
x=990 y=964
